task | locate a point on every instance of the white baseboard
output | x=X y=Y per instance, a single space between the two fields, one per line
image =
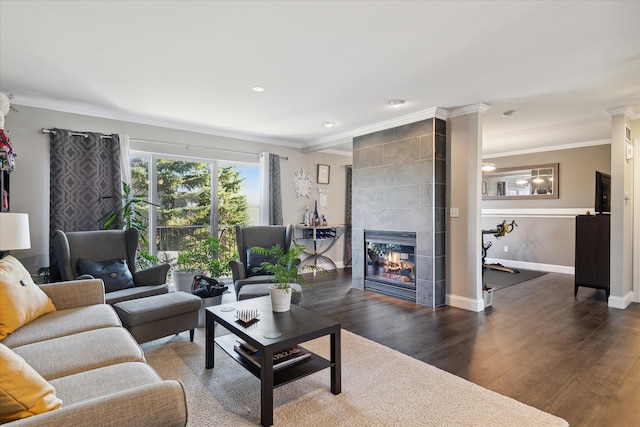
x=621 y=303
x=525 y=265
x=465 y=303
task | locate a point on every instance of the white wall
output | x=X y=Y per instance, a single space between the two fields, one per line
x=621 y=215
x=30 y=184
x=545 y=236
x=464 y=281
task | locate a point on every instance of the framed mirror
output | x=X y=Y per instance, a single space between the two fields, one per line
x=525 y=182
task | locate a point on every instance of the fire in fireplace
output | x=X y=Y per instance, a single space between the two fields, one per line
x=390 y=267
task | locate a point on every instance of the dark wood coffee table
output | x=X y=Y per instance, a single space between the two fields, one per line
x=293 y=327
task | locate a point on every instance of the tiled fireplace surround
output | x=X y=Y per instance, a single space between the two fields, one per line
x=399 y=184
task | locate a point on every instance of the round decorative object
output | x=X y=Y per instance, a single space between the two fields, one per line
x=302 y=183
x=272 y=334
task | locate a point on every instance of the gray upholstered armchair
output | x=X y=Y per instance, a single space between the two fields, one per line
x=264 y=236
x=111 y=256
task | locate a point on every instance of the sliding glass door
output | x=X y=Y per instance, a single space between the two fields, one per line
x=192 y=202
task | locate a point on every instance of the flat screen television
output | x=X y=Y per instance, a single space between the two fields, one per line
x=603 y=192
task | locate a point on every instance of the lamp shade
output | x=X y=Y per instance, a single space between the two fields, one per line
x=14 y=231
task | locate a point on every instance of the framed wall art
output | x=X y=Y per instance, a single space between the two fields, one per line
x=323 y=174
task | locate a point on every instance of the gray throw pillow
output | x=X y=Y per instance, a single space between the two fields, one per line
x=255 y=260
x=114 y=273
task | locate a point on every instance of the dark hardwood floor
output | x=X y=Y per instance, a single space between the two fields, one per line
x=572 y=357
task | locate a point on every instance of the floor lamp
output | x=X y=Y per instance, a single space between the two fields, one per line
x=14 y=232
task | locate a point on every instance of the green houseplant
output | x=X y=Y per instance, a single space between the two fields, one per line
x=130 y=213
x=286 y=269
x=132 y=217
x=205 y=257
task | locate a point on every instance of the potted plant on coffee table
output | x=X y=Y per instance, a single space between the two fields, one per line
x=286 y=270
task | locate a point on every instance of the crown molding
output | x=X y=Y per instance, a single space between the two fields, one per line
x=125 y=116
x=626 y=110
x=469 y=109
x=347 y=136
x=337 y=152
x=325 y=146
x=549 y=148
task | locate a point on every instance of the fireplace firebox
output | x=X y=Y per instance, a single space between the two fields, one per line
x=391 y=266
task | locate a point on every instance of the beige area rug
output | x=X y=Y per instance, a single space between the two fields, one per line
x=380 y=387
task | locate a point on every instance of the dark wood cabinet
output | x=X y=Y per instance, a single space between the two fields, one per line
x=592 y=266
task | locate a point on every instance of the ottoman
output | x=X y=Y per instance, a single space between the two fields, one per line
x=254 y=290
x=157 y=316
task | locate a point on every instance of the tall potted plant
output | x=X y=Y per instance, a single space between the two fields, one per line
x=286 y=269
x=131 y=216
x=188 y=264
x=204 y=258
x=130 y=213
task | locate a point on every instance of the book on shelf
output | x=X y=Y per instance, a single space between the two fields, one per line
x=281 y=359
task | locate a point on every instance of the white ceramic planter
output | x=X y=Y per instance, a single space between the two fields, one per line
x=182 y=280
x=280 y=299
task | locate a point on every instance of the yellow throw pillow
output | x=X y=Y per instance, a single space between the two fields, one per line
x=23 y=392
x=21 y=300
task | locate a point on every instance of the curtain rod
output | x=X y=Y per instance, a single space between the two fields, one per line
x=188 y=146
x=45 y=130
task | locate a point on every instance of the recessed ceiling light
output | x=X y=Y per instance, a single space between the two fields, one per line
x=329 y=124
x=508 y=113
x=396 y=102
x=258 y=89
x=488 y=167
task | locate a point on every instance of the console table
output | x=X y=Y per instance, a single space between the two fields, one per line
x=323 y=238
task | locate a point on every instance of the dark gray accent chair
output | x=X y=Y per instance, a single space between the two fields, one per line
x=264 y=236
x=102 y=245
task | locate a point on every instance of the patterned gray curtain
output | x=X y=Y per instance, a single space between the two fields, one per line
x=347 y=220
x=275 y=195
x=84 y=168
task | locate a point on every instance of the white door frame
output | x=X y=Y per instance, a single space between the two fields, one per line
x=635 y=281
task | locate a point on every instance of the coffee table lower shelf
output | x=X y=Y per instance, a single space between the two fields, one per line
x=281 y=376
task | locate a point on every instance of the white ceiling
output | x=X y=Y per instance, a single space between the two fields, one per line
x=191 y=64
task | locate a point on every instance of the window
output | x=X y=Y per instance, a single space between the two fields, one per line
x=191 y=204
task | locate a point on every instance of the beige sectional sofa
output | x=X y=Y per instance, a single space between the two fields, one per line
x=96 y=367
